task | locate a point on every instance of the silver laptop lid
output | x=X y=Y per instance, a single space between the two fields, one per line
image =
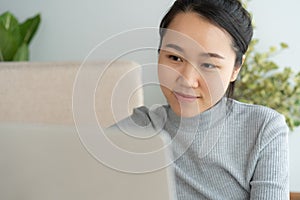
x=39 y=162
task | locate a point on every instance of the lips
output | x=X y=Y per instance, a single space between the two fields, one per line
x=186 y=98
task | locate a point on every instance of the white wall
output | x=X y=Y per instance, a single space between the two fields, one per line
x=70 y=29
x=277 y=21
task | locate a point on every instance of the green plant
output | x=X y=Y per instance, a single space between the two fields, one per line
x=15 y=37
x=261 y=82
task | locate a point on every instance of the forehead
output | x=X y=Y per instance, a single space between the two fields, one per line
x=194 y=29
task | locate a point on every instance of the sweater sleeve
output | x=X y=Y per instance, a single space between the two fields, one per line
x=271 y=175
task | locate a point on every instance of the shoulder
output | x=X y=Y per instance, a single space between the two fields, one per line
x=140 y=116
x=254 y=112
x=145 y=117
x=266 y=122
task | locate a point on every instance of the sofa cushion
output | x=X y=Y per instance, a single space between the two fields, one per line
x=41 y=92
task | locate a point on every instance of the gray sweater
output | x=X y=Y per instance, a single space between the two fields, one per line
x=231 y=151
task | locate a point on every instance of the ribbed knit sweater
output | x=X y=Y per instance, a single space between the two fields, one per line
x=231 y=151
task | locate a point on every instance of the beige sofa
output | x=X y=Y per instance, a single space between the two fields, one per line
x=41 y=92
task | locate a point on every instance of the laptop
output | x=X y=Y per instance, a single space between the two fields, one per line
x=46 y=162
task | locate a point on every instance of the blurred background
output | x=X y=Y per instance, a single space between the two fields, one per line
x=69 y=30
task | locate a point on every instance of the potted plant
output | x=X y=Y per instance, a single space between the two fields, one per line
x=261 y=82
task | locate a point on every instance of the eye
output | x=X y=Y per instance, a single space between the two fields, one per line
x=175 y=58
x=208 y=66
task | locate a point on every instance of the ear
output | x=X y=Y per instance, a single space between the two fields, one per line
x=236 y=70
x=235 y=73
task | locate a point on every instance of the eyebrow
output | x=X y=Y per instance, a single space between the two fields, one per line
x=213 y=55
x=178 y=48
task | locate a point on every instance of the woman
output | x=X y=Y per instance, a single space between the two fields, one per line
x=238 y=151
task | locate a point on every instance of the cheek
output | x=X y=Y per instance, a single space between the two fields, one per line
x=167 y=76
x=215 y=85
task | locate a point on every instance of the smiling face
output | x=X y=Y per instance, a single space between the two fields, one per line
x=196 y=64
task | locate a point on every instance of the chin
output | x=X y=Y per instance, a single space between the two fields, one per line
x=186 y=110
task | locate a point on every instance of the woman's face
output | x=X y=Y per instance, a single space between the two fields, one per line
x=196 y=64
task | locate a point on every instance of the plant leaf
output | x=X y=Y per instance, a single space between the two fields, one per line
x=29 y=28
x=8 y=44
x=8 y=21
x=1 y=56
x=284 y=45
x=11 y=24
x=22 y=53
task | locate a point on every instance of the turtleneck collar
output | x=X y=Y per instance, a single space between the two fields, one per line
x=203 y=121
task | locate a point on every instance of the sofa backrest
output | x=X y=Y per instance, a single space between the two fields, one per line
x=41 y=92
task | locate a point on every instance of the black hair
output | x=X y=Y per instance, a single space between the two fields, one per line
x=229 y=15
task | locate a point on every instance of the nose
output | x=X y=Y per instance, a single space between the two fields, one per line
x=189 y=76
